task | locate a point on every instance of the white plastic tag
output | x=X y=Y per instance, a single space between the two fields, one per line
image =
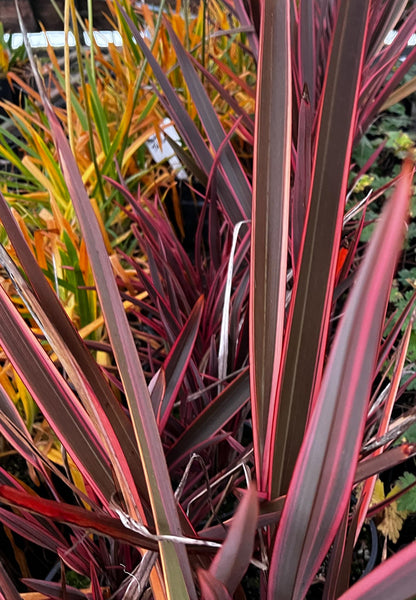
x=166 y=152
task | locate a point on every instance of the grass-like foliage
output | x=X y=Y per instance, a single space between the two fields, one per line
x=242 y=413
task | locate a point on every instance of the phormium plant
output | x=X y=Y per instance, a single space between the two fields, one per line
x=258 y=364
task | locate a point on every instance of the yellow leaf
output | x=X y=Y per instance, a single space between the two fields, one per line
x=391 y=519
x=4 y=61
x=55 y=456
x=392 y=522
x=378 y=494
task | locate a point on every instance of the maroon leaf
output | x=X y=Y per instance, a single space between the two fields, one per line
x=309 y=315
x=55 y=398
x=97 y=522
x=322 y=481
x=7 y=588
x=231 y=561
x=75 y=515
x=211 y=588
x=95 y=585
x=394 y=579
x=177 y=361
x=271 y=189
x=55 y=590
x=382 y=462
x=212 y=419
x=27 y=526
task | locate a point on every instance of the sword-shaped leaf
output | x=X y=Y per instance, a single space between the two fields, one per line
x=308 y=320
x=270 y=220
x=231 y=561
x=55 y=398
x=238 y=208
x=177 y=361
x=174 y=558
x=394 y=579
x=322 y=481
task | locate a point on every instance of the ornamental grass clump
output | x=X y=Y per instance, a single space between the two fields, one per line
x=244 y=413
x=109 y=113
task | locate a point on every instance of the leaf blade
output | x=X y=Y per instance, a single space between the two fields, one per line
x=270 y=219
x=309 y=316
x=395 y=579
x=231 y=561
x=321 y=485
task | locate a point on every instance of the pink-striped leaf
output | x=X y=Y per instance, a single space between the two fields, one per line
x=8 y=590
x=13 y=428
x=238 y=111
x=97 y=592
x=394 y=579
x=246 y=21
x=211 y=588
x=177 y=361
x=174 y=558
x=269 y=516
x=323 y=477
x=368 y=487
x=270 y=223
x=28 y=527
x=235 y=208
x=385 y=18
x=54 y=590
x=55 y=398
x=308 y=319
x=232 y=168
x=211 y=419
x=69 y=346
x=231 y=561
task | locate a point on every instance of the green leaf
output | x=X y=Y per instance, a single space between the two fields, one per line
x=407 y=502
